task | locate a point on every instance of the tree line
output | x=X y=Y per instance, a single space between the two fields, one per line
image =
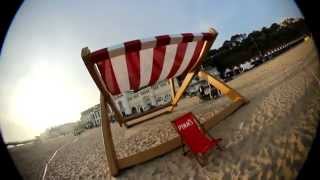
x=242 y=47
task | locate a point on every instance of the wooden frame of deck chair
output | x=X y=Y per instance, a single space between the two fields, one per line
x=141 y=63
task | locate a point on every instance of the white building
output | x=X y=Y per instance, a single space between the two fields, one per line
x=91 y=116
x=246 y=66
x=135 y=102
x=132 y=102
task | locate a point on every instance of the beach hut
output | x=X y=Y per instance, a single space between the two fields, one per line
x=228 y=73
x=246 y=66
x=136 y=64
x=236 y=70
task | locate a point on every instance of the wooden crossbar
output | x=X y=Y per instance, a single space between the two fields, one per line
x=176 y=142
x=145 y=116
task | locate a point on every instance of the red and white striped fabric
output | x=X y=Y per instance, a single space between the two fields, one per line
x=140 y=63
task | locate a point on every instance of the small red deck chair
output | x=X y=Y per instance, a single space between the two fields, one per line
x=195 y=137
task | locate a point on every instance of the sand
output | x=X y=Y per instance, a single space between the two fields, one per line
x=30 y=159
x=267 y=139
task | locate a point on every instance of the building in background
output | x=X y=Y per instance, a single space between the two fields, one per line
x=91 y=117
x=130 y=103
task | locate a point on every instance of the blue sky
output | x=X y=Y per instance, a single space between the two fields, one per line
x=43 y=79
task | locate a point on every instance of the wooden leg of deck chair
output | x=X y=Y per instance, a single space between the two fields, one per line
x=219 y=147
x=182 y=89
x=202 y=159
x=224 y=88
x=185 y=152
x=107 y=138
x=173 y=92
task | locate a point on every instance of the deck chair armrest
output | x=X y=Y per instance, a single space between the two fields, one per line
x=201 y=127
x=208 y=134
x=184 y=151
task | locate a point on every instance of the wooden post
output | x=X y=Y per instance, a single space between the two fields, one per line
x=107 y=138
x=182 y=89
x=173 y=92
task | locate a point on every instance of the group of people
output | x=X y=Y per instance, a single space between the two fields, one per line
x=207 y=92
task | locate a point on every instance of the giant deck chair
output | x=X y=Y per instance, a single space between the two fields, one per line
x=140 y=63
